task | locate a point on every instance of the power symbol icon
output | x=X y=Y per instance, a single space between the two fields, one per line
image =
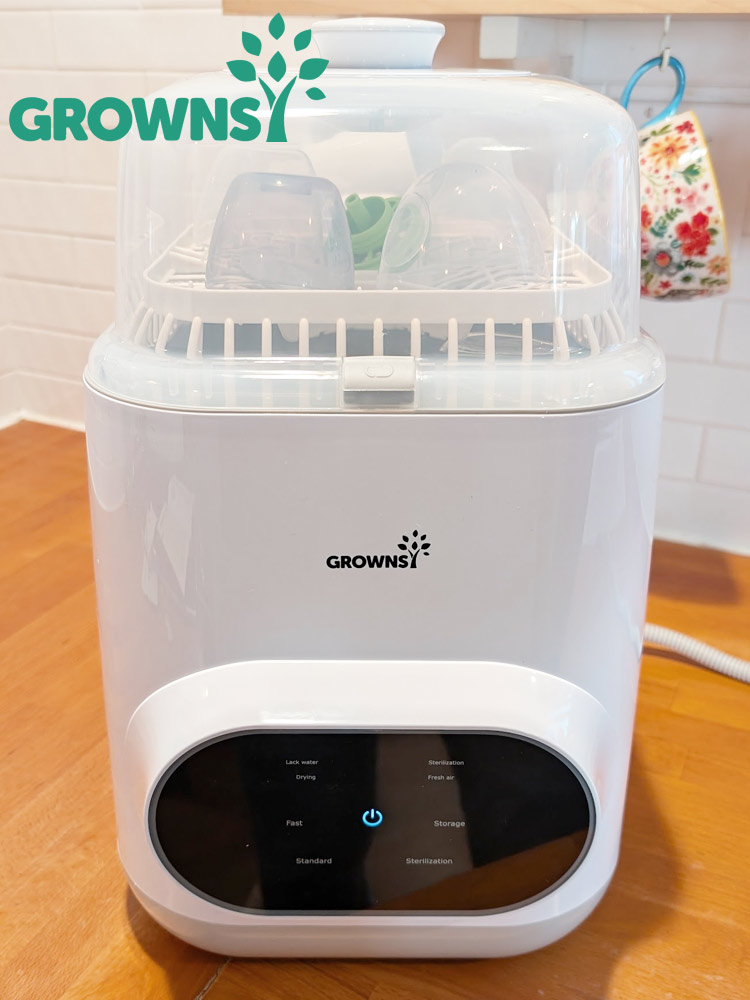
x=372 y=817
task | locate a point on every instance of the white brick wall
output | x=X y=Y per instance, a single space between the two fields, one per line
x=57 y=200
x=57 y=211
x=704 y=493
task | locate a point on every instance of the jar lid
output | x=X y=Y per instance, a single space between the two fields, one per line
x=378 y=42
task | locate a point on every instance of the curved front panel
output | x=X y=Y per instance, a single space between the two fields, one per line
x=347 y=821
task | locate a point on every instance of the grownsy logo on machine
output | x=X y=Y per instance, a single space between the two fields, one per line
x=111 y=118
x=411 y=546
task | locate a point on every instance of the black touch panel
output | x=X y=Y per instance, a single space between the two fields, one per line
x=371 y=821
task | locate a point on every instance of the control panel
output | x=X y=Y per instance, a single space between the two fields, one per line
x=362 y=821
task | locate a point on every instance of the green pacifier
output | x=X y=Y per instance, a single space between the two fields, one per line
x=369 y=219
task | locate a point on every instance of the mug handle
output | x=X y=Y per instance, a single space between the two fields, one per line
x=671 y=108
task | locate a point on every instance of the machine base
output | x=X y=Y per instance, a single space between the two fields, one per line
x=493 y=936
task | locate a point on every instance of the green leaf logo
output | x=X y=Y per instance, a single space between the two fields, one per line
x=277 y=67
x=241 y=69
x=277 y=97
x=311 y=69
x=276 y=26
x=302 y=40
x=251 y=43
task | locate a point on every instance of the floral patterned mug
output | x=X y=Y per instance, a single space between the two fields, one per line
x=684 y=245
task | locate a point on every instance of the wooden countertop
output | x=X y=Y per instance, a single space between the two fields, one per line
x=674 y=925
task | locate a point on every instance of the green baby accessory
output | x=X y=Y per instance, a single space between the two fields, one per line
x=369 y=219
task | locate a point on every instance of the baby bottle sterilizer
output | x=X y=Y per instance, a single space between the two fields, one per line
x=373 y=450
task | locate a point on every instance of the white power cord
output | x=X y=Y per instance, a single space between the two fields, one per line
x=699 y=652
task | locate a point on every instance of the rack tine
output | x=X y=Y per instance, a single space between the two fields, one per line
x=618 y=324
x=265 y=338
x=452 y=339
x=230 y=387
x=340 y=337
x=140 y=333
x=591 y=336
x=228 y=337
x=195 y=340
x=489 y=341
x=137 y=317
x=610 y=328
x=377 y=338
x=561 y=350
x=416 y=338
x=165 y=331
x=304 y=338
x=527 y=344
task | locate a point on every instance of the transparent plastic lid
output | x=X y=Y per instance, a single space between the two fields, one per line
x=421 y=240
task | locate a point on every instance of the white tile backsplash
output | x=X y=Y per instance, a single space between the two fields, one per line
x=78 y=37
x=37 y=255
x=700 y=514
x=714 y=394
x=683 y=329
x=77 y=4
x=91 y=162
x=63 y=260
x=189 y=40
x=734 y=338
x=47 y=398
x=94 y=262
x=68 y=308
x=178 y=4
x=57 y=216
x=43 y=161
x=741 y=272
x=7 y=359
x=707 y=343
x=10 y=396
x=726 y=458
x=44 y=351
x=714 y=53
x=26 y=39
x=680 y=449
x=68 y=5
x=157 y=80
x=50 y=399
x=75 y=209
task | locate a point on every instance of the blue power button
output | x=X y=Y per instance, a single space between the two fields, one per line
x=372 y=817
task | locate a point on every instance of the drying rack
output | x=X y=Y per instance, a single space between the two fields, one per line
x=571 y=312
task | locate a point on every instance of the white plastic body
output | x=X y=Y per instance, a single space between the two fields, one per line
x=219 y=611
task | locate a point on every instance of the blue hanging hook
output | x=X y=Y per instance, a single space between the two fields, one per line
x=679 y=72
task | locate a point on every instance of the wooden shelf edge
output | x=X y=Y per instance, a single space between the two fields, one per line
x=462 y=8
